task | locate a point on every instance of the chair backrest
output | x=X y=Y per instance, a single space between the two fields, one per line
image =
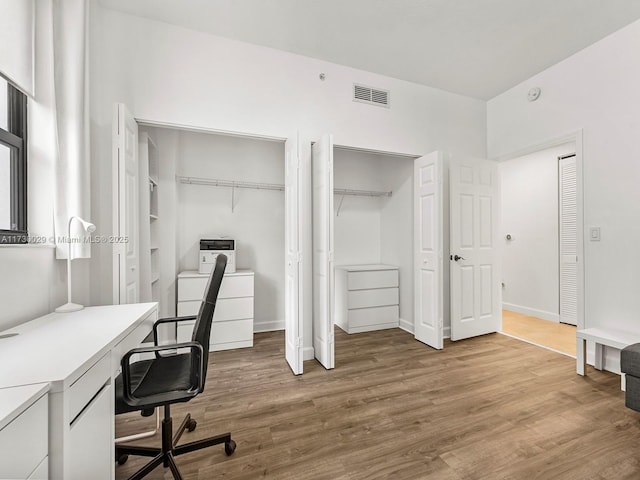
x=202 y=328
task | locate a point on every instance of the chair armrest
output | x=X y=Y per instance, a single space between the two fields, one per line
x=196 y=375
x=168 y=320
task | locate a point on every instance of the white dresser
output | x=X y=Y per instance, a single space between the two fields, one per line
x=233 y=317
x=24 y=419
x=367 y=297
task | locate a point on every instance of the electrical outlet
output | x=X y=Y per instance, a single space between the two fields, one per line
x=594 y=234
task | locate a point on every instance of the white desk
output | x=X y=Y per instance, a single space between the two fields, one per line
x=78 y=354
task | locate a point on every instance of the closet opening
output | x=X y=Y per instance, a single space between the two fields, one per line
x=370 y=237
x=212 y=186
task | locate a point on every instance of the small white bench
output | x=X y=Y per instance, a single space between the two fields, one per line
x=601 y=337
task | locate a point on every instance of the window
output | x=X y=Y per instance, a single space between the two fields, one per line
x=13 y=164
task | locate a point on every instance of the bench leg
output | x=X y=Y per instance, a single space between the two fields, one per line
x=599 y=360
x=581 y=355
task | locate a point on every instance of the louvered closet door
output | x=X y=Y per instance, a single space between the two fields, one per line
x=568 y=240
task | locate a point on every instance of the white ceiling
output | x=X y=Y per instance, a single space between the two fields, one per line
x=477 y=48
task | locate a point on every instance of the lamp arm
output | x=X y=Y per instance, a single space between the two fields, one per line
x=69 y=259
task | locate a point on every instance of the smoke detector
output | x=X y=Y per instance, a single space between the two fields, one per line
x=534 y=94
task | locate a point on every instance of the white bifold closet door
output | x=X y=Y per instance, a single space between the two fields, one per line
x=476 y=304
x=568 y=191
x=323 y=264
x=428 y=243
x=293 y=256
x=126 y=224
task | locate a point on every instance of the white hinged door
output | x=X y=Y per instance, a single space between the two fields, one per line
x=474 y=258
x=293 y=257
x=126 y=224
x=428 y=242
x=323 y=267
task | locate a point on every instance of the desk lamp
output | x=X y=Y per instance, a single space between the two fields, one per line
x=70 y=306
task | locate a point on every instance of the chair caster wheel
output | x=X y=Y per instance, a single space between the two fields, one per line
x=191 y=426
x=122 y=459
x=229 y=447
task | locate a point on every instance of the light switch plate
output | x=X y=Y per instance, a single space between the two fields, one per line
x=594 y=234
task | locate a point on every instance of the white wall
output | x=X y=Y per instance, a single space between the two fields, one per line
x=257 y=219
x=529 y=213
x=174 y=75
x=357 y=224
x=595 y=90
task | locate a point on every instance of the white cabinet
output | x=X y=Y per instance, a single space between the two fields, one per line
x=90 y=443
x=24 y=432
x=233 y=317
x=367 y=297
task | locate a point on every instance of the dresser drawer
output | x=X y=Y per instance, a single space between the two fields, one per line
x=231 y=333
x=224 y=335
x=192 y=288
x=373 y=298
x=24 y=441
x=372 y=279
x=371 y=317
x=226 y=308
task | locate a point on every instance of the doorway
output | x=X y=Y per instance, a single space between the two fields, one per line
x=540 y=246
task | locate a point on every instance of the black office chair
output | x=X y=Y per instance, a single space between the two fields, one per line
x=171 y=377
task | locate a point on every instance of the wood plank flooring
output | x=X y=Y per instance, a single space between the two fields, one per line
x=491 y=407
x=559 y=336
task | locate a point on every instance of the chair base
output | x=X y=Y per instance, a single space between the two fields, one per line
x=169 y=450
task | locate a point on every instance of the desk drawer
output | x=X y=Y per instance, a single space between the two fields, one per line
x=372 y=279
x=24 y=441
x=131 y=341
x=232 y=286
x=86 y=387
x=226 y=309
x=373 y=298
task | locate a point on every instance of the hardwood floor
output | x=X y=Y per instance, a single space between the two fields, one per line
x=485 y=408
x=558 y=336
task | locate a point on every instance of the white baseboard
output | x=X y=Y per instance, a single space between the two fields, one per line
x=308 y=353
x=446 y=333
x=532 y=312
x=406 y=325
x=268 y=326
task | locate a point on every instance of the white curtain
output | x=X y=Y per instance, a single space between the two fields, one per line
x=71 y=81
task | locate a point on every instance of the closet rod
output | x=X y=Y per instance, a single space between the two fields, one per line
x=271 y=186
x=361 y=193
x=228 y=183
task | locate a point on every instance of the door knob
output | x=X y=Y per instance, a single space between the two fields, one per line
x=458 y=257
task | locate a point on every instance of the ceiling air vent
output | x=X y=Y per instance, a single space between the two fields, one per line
x=372 y=96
